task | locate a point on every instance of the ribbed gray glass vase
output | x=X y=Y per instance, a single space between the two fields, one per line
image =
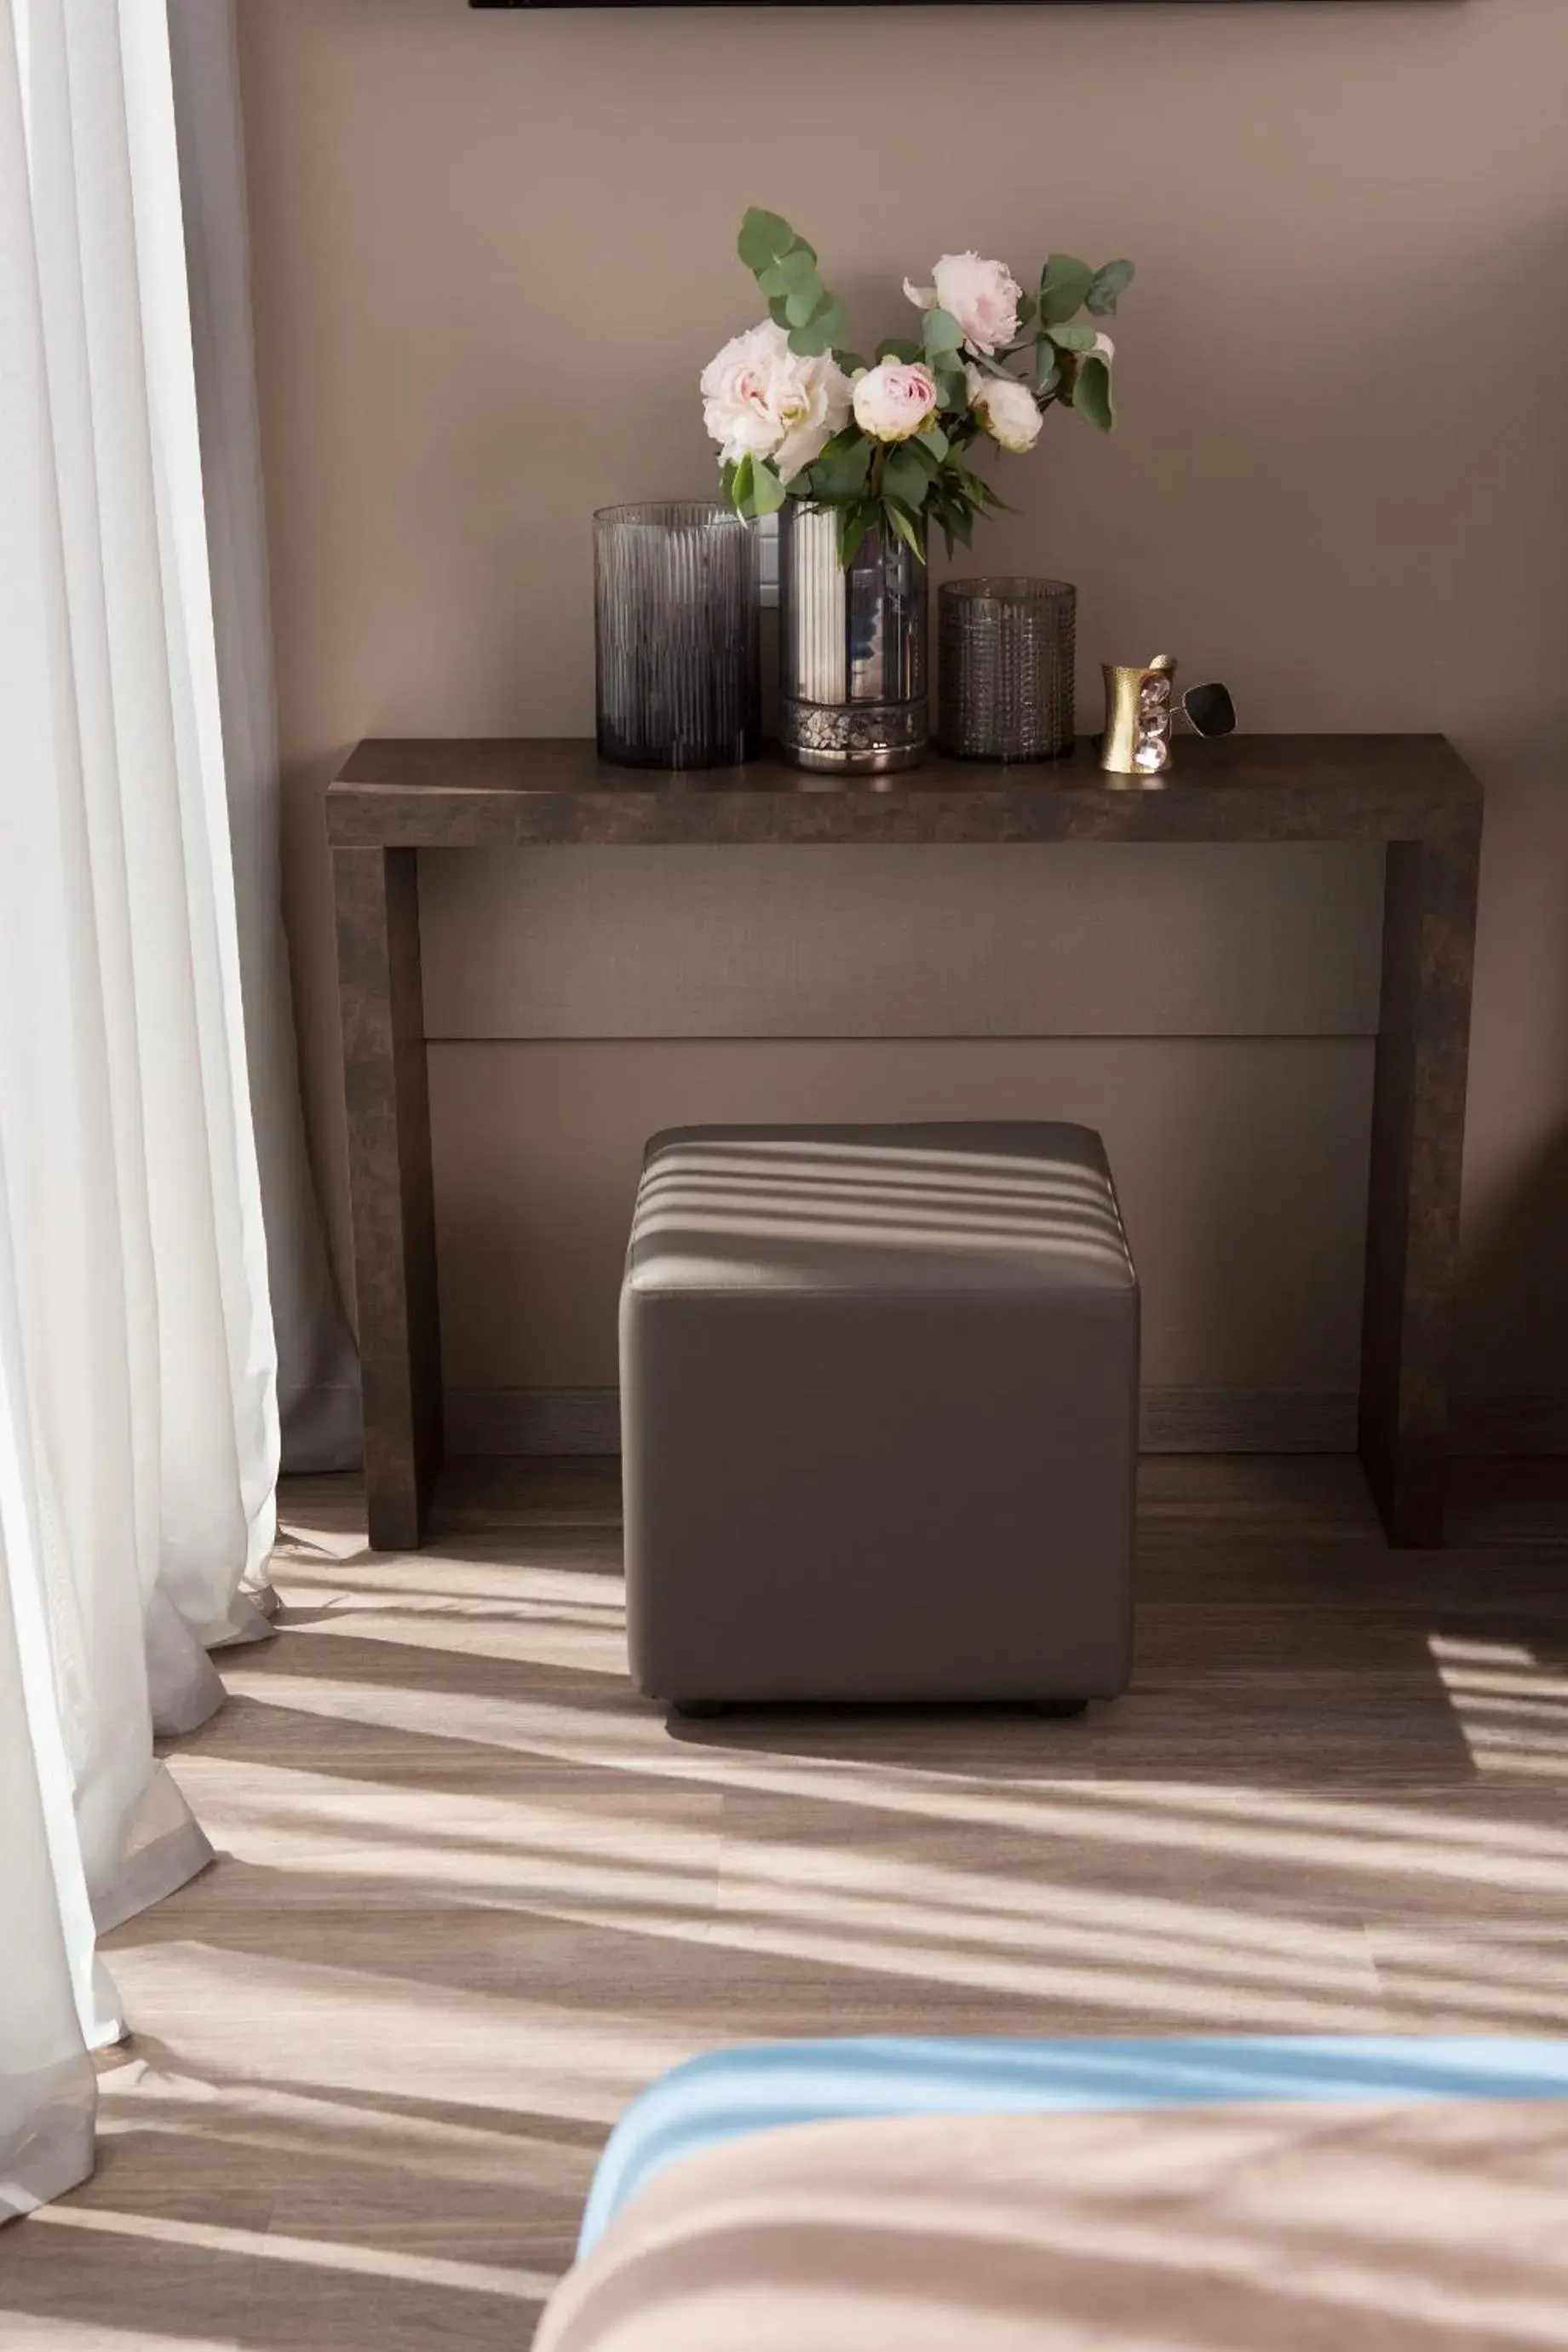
x=675 y=634
x=851 y=647
x=1006 y=660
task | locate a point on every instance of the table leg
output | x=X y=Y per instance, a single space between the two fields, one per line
x=377 y=893
x=1417 y=1152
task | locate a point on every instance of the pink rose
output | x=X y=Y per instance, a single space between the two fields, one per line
x=1007 y=409
x=760 y=399
x=893 y=401
x=983 y=296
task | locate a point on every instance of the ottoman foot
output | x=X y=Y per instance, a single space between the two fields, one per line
x=699 y=1710
x=1058 y=1709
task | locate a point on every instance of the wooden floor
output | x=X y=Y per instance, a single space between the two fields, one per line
x=472 y=1894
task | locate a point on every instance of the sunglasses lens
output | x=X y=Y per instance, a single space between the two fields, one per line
x=1210 y=709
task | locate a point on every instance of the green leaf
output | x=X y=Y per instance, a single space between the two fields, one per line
x=905 y=478
x=939 y=332
x=1025 y=310
x=804 y=301
x=1047 y=366
x=777 y=311
x=790 y=272
x=822 y=331
x=1064 y=283
x=850 y=361
x=1107 y=287
x=935 y=442
x=841 y=473
x=952 y=387
x=906 y=531
x=763 y=237
x=767 y=489
x=740 y=486
x=899 y=347
x=1092 y=394
x=1073 y=339
x=853 y=524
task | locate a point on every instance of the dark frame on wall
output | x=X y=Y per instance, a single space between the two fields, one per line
x=873 y=3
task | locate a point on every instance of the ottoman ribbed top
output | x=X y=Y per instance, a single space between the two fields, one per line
x=981 y=1205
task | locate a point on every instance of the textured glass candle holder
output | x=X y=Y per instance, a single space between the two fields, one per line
x=1005 y=663
x=675 y=636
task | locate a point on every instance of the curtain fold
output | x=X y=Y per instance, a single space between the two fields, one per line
x=139 y=1433
x=318 y=1378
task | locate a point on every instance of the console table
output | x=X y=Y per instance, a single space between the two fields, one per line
x=395 y=800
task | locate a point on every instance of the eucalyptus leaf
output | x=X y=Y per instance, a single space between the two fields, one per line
x=1047 y=367
x=1107 y=287
x=850 y=363
x=803 y=301
x=830 y=313
x=767 y=489
x=763 y=237
x=822 y=331
x=899 y=347
x=935 y=442
x=842 y=473
x=788 y=273
x=740 y=485
x=1092 y=394
x=1064 y=284
x=1073 y=339
x=940 y=331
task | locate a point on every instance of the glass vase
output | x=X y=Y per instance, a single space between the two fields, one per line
x=675 y=636
x=852 y=694
x=1006 y=660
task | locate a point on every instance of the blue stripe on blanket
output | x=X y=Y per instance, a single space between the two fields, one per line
x=730 y=2094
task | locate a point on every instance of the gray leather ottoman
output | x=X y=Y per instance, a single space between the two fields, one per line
x=879 y=1413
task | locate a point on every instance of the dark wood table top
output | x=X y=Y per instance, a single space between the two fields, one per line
x=514 y=792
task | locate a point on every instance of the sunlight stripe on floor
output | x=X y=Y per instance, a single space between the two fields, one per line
x=320 y=2254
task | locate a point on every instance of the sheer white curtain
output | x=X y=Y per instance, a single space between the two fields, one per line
x=138 y=1413
x=317 y=1370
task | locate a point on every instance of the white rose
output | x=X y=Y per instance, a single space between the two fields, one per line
x=983 y=296
x=760 y=399
x=1007 y=409
x=893 y=401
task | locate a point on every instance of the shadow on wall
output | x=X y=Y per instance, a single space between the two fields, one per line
x=1514 y=1327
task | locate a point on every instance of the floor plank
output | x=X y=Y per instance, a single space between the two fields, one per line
x=472 y=1894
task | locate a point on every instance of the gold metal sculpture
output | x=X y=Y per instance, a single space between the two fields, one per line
x=1140 y=711
x=1138 y=718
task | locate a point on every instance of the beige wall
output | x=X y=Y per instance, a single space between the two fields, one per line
x=491 y=253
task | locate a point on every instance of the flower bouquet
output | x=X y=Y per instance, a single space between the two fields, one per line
x=885 y=444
